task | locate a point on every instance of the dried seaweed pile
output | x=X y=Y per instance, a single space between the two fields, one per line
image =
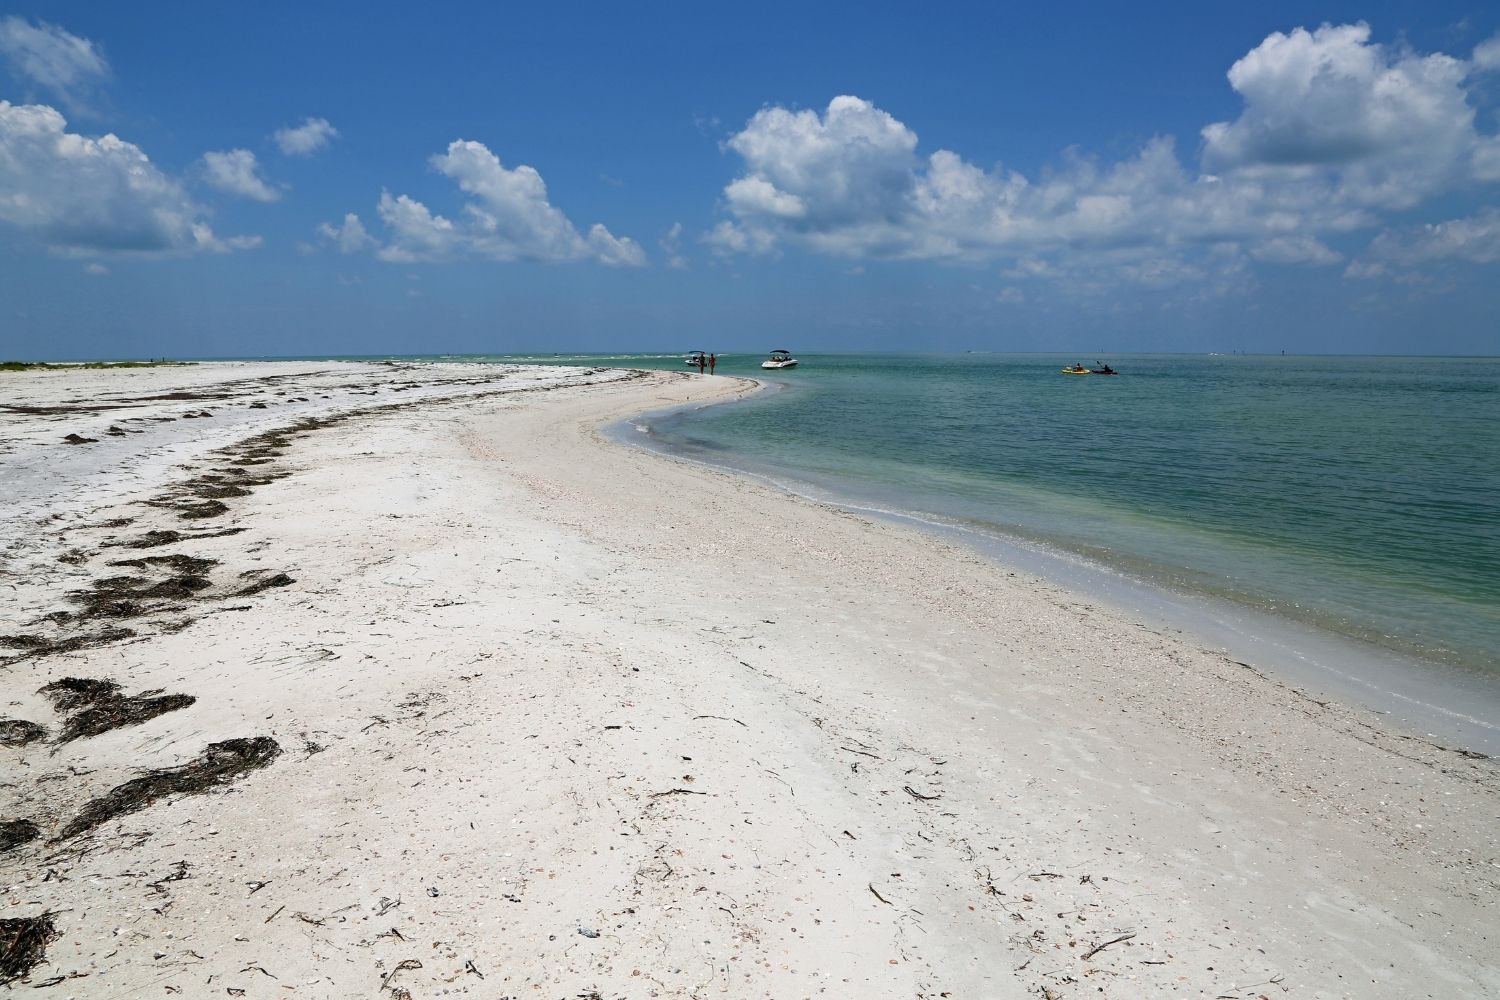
x=15 y=832
x=167 y=536
x=219 y=764
x=150 y=596
x=191 y=565
x=23 y=943
x=35 y=645
x=126 y=596
x=98 y=706
x=265 y=583
x=198 y=511
x=19 y=732
x=74 y=692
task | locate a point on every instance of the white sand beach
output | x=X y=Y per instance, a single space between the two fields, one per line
x=480 y=703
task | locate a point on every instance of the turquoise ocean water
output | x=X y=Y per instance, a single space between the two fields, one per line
x=1359 y=495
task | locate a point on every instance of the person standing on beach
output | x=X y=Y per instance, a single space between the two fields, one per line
x=713 y=359
x=701 y=362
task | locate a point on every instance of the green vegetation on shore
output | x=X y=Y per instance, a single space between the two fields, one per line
x=25 y=366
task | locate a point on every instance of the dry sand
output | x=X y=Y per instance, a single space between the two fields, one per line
x=500 y=708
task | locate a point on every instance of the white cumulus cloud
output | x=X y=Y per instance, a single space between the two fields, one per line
x=849 y=182
x=728 y=237
x=305 y=139
x=1397 y=126
x=850 y=167
x=416 y=234
x=51 y=57
x=752 y=195
x=671 y=245
x=80 y=194
x=1010 y=295
x=1486 y=56
x=1475 y=239
x=1487 y=159
x=236 y=171
x=350 y=236
x=508 y=217
x=1295 y=250
x=614 y=251
x=1335 y=131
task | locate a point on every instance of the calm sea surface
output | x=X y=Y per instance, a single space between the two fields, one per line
x=1360 y=495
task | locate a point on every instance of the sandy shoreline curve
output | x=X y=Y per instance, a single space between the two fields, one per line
x=408 y=682
x=1450 y=706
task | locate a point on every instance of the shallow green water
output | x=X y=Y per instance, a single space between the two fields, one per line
x=1358 y=494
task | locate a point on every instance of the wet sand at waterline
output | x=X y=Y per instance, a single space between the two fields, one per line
x=405 y=681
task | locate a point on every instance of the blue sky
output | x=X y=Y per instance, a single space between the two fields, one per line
x=280 y=180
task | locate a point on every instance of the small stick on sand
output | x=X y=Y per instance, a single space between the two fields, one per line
x=1100 y=947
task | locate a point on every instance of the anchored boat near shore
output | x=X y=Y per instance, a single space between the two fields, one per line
x=779 y=359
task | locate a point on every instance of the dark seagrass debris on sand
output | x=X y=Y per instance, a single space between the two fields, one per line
x=23 y=945
x=219 y=764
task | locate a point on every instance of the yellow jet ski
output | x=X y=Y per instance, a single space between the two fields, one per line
x=1076 y=370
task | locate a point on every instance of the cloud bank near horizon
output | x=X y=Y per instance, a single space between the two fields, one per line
x=1335 y=133
x=1336 y=137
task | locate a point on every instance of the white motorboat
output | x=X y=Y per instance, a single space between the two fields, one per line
x=779 y=359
